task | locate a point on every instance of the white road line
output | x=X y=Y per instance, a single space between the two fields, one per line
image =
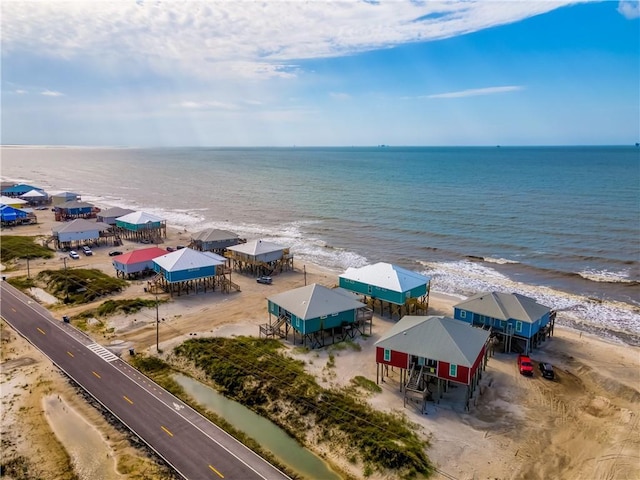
x=102 y=352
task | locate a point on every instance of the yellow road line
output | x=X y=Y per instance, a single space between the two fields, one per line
x=219 y=474
x=70 y=354
x=167 y=431
x=127 y=399
x=96 y=374
x=41 y=331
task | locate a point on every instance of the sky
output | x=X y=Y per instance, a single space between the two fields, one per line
x=320 y=73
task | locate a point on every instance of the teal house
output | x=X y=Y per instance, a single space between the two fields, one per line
x=518 y=320
x=316 y=314
x=141 y=227
x=393 y=288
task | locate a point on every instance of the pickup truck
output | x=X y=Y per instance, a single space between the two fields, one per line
x=524 y=365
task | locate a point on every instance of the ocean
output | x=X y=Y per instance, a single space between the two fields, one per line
x=559 y=224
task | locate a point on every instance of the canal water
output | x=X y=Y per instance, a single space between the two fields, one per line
x=267 y=434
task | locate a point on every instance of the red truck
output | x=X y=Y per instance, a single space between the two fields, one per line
x=524 y=365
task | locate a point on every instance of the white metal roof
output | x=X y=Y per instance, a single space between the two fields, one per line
x=11 y=200
x=139 y=218
x=313 y=301
x=504 y=306
x=385 y=275
x=437 y=338
x=256 y=247
x=187 y=258
x=213 y=235
x=33 y=194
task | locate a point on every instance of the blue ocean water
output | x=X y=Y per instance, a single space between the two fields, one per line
x=560 y=224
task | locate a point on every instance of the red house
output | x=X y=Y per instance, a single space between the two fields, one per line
x=430 y=349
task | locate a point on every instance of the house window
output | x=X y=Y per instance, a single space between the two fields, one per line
x=387 y=355
x=453 y=370
x=518 y=326
x=463 y=314
x=298 y=323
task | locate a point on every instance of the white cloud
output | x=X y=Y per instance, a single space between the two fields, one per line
x=20 y=92
x=51 y=93
x=340 y=96
x=474 y=92
x=206 y=105
x=214 y=39
x=629 y=8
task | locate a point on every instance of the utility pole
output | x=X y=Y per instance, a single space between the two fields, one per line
x=304 y=269
x=157 y=324
x=66 y=280
x=28 y=272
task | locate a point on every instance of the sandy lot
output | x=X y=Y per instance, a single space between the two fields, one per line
x=584 y=425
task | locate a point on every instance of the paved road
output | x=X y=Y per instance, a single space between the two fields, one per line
x=194 y=446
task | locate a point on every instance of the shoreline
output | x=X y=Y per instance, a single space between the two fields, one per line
x=459 y=275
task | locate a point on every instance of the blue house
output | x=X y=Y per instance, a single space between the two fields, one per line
x=10 y=215
x=74 y=209
x=509 y=316
x=315 y=314
x=399 y=290
x=188 y=270
x=19 y=189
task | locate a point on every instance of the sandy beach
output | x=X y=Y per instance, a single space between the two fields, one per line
x=584 y=425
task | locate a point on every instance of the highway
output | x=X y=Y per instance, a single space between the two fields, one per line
x=191 y=444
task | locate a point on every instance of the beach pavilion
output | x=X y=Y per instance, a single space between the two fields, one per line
x=214 y=240
x=431 y=352
x=187 y=270
x=136 y=263
x=316 y=314
x=79 y=231
x=259 y=257
x=141 y=227
x=35 y=197
x=510 y=316
x=389 y=287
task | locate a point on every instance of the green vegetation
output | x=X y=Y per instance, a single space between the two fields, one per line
x=254 y=372
x=77 y=285
x=366 y=384
x=126 y=306
x=21 y=283
x=14 y=247
x=161 y=373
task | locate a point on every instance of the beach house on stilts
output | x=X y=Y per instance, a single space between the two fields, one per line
x=432 y=353
x=259 y=257
x=189 y=271
x=518 y=321
x=316 y=316
x=214 y=240
x=141 y=227
x=389 y=288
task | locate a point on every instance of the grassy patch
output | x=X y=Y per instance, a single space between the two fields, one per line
x=14 y=246
x=255 y=373
x=126 y=306
x=21 y=283
x=79 y=285
x=366 y=384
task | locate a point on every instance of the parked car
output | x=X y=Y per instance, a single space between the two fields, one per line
x=180 y=247
x=73 y=254
x=86 y=250
x=171 y=249
x=524 y=365
x=265 y=280
x=115 y=253
x=546 y=369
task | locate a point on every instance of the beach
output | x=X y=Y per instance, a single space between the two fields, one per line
x=583 y=425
